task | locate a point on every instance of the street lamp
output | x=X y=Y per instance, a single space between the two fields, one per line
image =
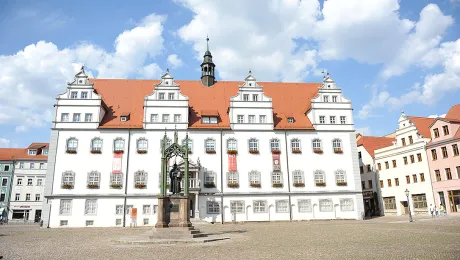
x=408 y=204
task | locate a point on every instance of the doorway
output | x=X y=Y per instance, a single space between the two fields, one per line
x=405 y=207
x=38 y=215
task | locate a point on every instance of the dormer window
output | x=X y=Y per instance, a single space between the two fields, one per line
x=45 y=151
x=32 y=152
x=124 y=118
x=290 y=120
x=209 y=120
x=74 y=95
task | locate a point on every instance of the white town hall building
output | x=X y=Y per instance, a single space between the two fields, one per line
x=260 y=151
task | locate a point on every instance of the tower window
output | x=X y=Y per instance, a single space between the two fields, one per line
x=124 y=118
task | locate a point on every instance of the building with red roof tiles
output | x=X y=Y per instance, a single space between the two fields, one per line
x=260 y=151
x=444 y=160
x=22 y=173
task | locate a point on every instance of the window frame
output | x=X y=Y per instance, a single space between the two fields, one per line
x=94 y=178
x=72 y=144
x=142 y=144
x=210 y=144
x=212 y=207
x=237 y=209
x=90 y=210
x=230 y=142
x=347 y=204
x=282 y=206
x=259 y=206
x=325 y=208
x=140 y=179
x=68 y=178
x=116 y=144
x=295 y=145
x=253 y=144
x=94 y=144
x=65 y=207
x=306 y=208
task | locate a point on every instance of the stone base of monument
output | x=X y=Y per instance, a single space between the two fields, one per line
x=175 y=235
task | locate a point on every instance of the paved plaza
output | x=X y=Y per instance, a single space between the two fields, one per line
x=379 y=238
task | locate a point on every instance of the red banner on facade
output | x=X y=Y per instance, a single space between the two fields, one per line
x=276 y=162
x=116 y=164
x=232 y=163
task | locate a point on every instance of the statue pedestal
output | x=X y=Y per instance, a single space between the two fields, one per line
x=173 y=211
x=179 y=212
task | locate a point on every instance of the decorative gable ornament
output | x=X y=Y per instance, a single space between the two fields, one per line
x=80 y=78
x=328 y=82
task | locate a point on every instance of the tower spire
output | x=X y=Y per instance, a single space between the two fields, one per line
x=207 y=67
x=207 y=42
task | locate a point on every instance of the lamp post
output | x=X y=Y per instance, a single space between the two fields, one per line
x=408 y=204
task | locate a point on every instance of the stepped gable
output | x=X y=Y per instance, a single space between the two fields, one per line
x=372 y=143
x=124 y=95
x=422 y=124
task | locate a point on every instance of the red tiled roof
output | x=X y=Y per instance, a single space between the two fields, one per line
x=454 y=112
x=38 y=145
x=209 y=113
x=119 y=95
x=20 y=154
x=372 y=143
x=422 y=124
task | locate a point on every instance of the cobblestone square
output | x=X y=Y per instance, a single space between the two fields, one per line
x=380 y=238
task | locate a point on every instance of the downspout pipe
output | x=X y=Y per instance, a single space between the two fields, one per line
x=288 y=175
x=221 y=179
x=126 y=177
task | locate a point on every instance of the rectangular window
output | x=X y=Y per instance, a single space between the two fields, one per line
x=63 y=223
x=363 y=185
x=84 y=95
x=387 y=166
x=394 y=163
x=232 y=178
x=165 y=118
x=411 y=141
x=346 y=204
x=448 y=173
x=334 y=99
x=434 y=156
x=177 y=119
x=419 y=201
x=325 y=205
x=90 y=207
x=29 y=182
x=128 y=209
x=65 y=207
x=403 y=140
x=436 y=133
x=171 y=96
x=32 y=165
x=73 y=94
x=37 y=197
x=209 y=178
x=4 y=182
x=76 y=117
x=276 y=177
x=343 y=120
x=455 y=149
x=146 y=210
x=437 y=173
x=252 y=119
x=304 y=206
x=245 y=97
x=89 y=223
x=32 y=152
x=45 y=151
x=88 y=117
x=445 y=129
x=326 y=98
x=458 y=172
x=369 y=182
x=146 y=221
x=379 y=166
x=237 y=206
x=262 y=119
x=65 y=117
x=21 y=165
x=119 y=210
x=414 y=178
x=260 y=206
x=396 y=181
x=154 y=118
x=368 y=168
x=444 y=152
x=255 y=97
x=422 y=177
x=332 y=118
x=161 y=96
x=282 y=206
x=359 y=155
x=213 y=207
x=19 y=182
x=381 y=183
x=2 y=197
x=240 y=119
x=322 y=119
x=42 y=166
x=361 y=169
x=389 y=182
x=412 y=159
x=407 y=179
x=17 y=196
x=390 y=203
x=419 y=157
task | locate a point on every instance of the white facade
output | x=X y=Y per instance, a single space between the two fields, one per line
x=411 y=171
x=80 y=182
x=369 y=179
x=27 y=193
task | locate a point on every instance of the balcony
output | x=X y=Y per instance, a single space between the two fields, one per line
x=194 y=184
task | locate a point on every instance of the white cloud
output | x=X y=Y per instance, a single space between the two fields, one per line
x=174 y=61
x=34 y=76
x=363 y=130
x=4 y=143
x=435 y=116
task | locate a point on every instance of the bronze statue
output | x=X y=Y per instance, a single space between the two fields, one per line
x=176 y=177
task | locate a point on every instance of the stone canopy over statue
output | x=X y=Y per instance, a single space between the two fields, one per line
x=176 y=178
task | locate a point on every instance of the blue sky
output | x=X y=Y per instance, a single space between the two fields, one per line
x=387 y=55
